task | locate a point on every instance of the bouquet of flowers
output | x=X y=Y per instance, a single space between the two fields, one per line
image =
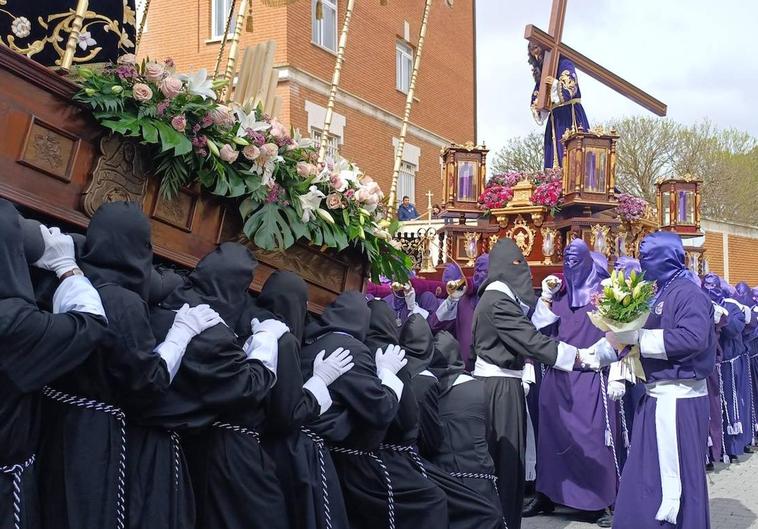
x=239 y=153
x=631 y=208
x=624 y=305
x=548 y=189
x=496 y=196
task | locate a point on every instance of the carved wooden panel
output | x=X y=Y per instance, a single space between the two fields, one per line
x=179 y=211
x=313 y=266
x=119 y=174
x=49 y=149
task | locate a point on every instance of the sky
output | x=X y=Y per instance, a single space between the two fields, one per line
x=697 y=56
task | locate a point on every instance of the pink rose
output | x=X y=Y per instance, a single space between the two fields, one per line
x=228 y=154
x=270 y=150
x=128 y=59
x=303 y=169
x=334 y=201
x=337 y=182
x=251 y=152
x=277 y=129
x=155 y=71
x=222 y=117
x=179 y=123
x=142 y=92
x=170 y=87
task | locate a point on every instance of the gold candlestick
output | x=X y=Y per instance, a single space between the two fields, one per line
x=391 y=203
x=73 y=39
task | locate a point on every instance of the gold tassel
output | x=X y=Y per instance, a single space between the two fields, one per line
x=249 y=19
x=319 y=10
x=382 y=2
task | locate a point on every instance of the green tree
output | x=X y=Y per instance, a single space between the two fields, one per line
x=524 y=154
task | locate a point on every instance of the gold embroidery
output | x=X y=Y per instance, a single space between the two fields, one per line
x=568 y=82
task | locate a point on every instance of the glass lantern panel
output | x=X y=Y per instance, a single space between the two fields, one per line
x=666 y=207
x=595 y=169
x=467 y=180
x=685 y=213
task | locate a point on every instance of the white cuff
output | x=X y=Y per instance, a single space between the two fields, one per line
x=390 y=380
x=448 y=310
x=318 y=389
x=418 y=310
x=619 y=371
x=172 y=353
x=566 y=356
x=264 y=347
x=651 y=344
x=719 y=312
x=543 y=316
x=76 y=294
x=555 y=92
x=528 y=375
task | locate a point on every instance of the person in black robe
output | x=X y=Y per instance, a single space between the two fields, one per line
x=38 y=347
x=365 y=401
x=220 y=399
x=466 y=507
x=86 y=410
x=305 y=469
x=506 y=323
x=418 y=501
x=463 y=413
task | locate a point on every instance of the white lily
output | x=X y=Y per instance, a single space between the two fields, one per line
x=248 y=121
x=302 y=143
x=311 y=202
x=267 y=179
x=198 y=84
x=607 y=282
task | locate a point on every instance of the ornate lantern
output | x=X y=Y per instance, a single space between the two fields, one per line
x=589 y=169
x=464 y=169
x=679 y=205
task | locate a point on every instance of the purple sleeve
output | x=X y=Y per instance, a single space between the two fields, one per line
x=688 y=327
x=438 y=325
x=566 y=76
x=735 y=322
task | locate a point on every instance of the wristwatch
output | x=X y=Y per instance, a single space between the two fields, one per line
x=72 y=272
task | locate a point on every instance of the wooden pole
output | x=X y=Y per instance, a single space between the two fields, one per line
x=224 y=38
x=408 y=104
x=335 y=80
x=73 y=39
x=234 y=48
x=141 y=29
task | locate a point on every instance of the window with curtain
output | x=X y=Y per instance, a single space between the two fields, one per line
x=403 y=66
x=219 y=16
x=406 y=182
x=324 y=31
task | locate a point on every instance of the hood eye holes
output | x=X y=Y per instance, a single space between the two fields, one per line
x=517 y=261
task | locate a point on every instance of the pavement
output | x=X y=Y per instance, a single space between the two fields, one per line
x=733 y=492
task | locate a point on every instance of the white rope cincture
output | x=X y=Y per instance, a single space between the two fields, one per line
x=608 y=432
x=724 y=456
x=238 y=429
x=16 y=471
x=320 y=446
x=624 y=428
x=406 y=449
x=175 y=444
x=750 y=392
x=383 y=468
x=477 y=475
x=120 y=416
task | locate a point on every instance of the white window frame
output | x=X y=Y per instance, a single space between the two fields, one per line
x=317 y=26
x=406 y=180
x=332 y=143
x=403 y=66
x=214 y=21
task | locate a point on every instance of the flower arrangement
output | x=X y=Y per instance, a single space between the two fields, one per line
x=548 y=189
x=495 y=196
x=234 y=152
x=622 y=306
x=631 y=208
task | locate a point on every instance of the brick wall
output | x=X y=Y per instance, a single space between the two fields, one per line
x=741 y=243
x=743 y=260
x=714 y=252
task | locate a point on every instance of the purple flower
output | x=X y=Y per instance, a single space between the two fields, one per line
x=126 y=71
x=631 y=208
x=256 y=137
x=161 y=107
x=207 y=121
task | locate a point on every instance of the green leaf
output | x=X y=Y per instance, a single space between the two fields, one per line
x=268 y=229
x=149 y=132
x=171 y=139
x=247 y=207
x=299 y=229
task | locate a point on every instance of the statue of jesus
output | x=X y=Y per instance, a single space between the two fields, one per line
x=566 y=111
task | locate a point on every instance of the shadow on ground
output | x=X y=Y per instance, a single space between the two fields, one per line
x=732 y=514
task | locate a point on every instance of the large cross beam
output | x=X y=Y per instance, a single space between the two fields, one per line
x=554 y=48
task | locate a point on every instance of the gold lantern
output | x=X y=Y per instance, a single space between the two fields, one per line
x=589 y=169
x=464 y=169
x=679 y=205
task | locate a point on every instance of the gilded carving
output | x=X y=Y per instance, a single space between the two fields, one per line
x=118 y=175
x=523 y=235
x=599 y=239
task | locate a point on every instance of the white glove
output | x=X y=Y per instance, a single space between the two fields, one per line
x=457 y=295
x=526 y=386
x=598 y=356
x=718 y=313
x=191 y=321
x=549 y=291
x=275 y=327
x=59 y=256
x=616 y=390
x=627 y=337
x=410 y=298
x=330 y=369
x=392 y=359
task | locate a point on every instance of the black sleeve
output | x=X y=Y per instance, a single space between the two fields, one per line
x=431 y=433
x=518 y=334
x=39 y=347
x=407 y=416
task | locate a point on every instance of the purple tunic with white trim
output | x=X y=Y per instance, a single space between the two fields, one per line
x=686 y=316
x=733 y=369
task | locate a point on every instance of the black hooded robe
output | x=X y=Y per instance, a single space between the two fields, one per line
x=504 y=337
x=466 y=508
x=418 y=501
x=234 y=480
x=362 y=410
x=37 y=348
x=464 y=453
x=86 y=410
x=304 y=466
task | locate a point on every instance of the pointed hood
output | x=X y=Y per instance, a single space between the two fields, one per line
x=581 y=273
x=382 y=329
x=347 y=314
x=285 y=295
x=418 y=341
x=712 y=287
x=627 y=265
x=163 y=281
x=14 y=269
x=744 y=295
x=507 y=264
x=446 y=363
x=662 y=258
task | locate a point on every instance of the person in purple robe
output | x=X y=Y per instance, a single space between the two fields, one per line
x=743 y=295
x=456 y=313
x=566 y=111
x=576 y=454
x=663 y=483
x=627 y=265
x=403 y=302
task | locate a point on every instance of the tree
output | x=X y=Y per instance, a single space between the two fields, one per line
x=524 y=154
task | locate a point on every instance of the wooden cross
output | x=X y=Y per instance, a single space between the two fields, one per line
x=554 y=48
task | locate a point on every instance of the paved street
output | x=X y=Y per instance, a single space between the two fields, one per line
x=734 y=501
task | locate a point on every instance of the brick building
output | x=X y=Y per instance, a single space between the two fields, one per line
x=732 y=251
x=375 y=74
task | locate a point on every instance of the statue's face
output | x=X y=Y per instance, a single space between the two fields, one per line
x=537 y=52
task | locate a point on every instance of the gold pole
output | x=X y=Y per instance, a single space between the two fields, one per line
x=233 y=48
x=335 y=80
x=408 y=104
x=224 y=38
x=141 y=27
x=73 y=39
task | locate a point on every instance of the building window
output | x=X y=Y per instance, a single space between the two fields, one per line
x=403 y=66
x=219 y=16
x=325 y=30
x=332 y=143
x=406 y=181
